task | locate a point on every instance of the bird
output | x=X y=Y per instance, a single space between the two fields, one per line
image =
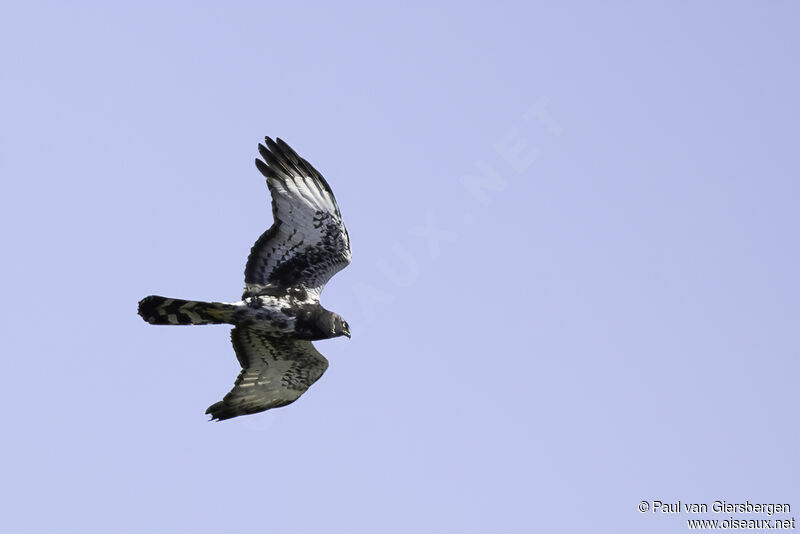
x=279 y=313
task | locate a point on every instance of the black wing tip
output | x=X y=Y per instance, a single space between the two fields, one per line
x=278 y=144
x=285 y=148
x=222 y=411
x=284 y=162
x=279 y=149
x=265 y=169
x=274 y=149
x=280 y=163
x=219 y=411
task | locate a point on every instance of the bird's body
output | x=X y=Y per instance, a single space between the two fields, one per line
x=270 y=315
x=279 y=313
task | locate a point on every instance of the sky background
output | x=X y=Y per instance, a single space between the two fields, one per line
x=575 y=263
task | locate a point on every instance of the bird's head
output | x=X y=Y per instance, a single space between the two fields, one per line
x=340 y=327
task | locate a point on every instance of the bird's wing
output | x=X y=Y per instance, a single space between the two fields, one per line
x=275 y=372
x=308 y=242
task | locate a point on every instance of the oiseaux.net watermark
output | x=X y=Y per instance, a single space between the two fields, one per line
x=724 y=515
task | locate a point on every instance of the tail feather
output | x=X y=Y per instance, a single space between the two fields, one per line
x=163 y=310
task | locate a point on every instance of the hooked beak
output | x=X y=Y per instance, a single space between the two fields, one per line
x=347 y=332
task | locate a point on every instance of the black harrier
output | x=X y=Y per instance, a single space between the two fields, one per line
x=279 y=314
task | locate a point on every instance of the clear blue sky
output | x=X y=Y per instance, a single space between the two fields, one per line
x=575 y=275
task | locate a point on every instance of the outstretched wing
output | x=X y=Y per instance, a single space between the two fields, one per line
x=275 y=372
x=308 y=242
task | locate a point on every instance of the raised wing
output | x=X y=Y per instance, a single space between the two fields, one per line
x=275 y=372
x=308 y=243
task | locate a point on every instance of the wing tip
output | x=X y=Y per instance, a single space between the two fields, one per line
x=282 y=163
x=219 y=411
x=269 y=172
x=263 y=168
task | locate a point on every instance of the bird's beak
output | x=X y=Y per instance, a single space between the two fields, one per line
x=347 y=333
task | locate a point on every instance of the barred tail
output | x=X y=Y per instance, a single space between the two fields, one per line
x=162 y=310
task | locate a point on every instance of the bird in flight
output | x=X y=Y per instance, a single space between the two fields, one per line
x=279 y=313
